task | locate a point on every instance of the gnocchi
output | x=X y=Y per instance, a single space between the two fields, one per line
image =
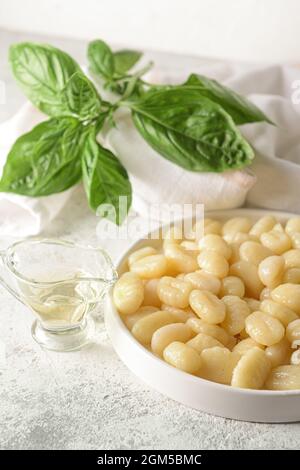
x=284 y=378
x=150 y=267
x=213 y=263
x=254 y=252
x=215 y=243
x=179 y=259
x=276 y=241
x=284 y=314
x=279 y=353
x=252 y=370
x=168 y=334
x=264 y=224
x=207 y=306
x=271 y=270
x=174 y=292
x=243 y=346
x=202 y=341
x=232 y=285
x=215 y=331
x=237 y=311
x=204 y=281
x=128 y=293
x=264 y=328
x=249 y=275
x=218 y=364
x=144 y=328
x=288 y=295
x=221 y=302
x=182 y=357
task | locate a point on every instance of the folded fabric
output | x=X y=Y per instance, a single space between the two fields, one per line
x=21 y=216
x=271 y=182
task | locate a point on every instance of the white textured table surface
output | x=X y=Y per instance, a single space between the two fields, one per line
x=88 y=399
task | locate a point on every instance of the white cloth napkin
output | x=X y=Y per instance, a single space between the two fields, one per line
x=272 y=181
x=21 y=216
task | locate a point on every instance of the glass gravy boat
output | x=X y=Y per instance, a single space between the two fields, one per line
x=61 y=282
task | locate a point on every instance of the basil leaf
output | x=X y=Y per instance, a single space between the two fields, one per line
x=125 y=59
x=190 y=130
x=105 y=179
x=80 y=98
x=46 y=160
x=240 y=108
x=101 y=59
x=42 y=72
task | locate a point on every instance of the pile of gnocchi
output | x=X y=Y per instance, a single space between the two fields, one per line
x=223 y=306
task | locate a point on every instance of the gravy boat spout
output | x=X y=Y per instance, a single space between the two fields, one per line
x=61 y=282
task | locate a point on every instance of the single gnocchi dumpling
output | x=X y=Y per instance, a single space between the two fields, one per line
x=279 y=353
x=264 y=328
x=150 y=267
x=174 y=292
x=271 y=271
x=128 y=293
x=213 y=263
x=213 y=242
x=252 y=370
x=232 y=285
x=237 y=311
x=207 y=306
x=284 y=378
x=249 y=275
x=182 y=357
x=288 y=295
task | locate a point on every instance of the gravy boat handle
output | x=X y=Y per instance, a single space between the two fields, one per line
x=4 y=282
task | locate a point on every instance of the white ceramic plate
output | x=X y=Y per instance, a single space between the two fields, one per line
x=221 y=400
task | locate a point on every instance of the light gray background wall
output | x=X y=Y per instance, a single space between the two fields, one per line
x=264 y=30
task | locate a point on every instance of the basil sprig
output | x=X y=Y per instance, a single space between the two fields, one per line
x=53 y=156
x=193 y=125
